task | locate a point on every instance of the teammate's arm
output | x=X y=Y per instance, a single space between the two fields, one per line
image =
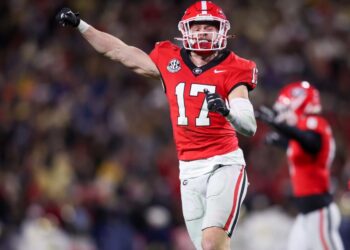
x=241 y=112
x=111 y=46
x=276 y=139
x=309 y=140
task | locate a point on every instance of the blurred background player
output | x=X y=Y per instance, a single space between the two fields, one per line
x=307 y=137
x=198 y=80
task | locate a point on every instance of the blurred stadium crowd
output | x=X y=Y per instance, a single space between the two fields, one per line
x=87 y=159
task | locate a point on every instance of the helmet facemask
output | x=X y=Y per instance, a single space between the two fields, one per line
x=285 y=113
x=204 y=12
x=203 y=40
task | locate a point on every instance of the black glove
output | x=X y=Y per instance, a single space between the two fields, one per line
x=66 y=17
x=216 y=103
x=265 y=114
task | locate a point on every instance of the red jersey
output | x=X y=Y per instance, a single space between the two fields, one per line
x=310 y=174
x=199 y=134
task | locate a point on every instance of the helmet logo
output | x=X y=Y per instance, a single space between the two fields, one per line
x=174 y=66
x=298 y=92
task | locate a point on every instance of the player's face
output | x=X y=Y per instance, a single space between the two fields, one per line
x=204 y=31
x=203 y=35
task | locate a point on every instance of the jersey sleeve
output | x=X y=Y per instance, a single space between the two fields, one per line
x=154 y=54
x=246 y=75
x=160 y=48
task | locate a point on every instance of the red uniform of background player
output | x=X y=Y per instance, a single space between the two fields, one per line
x=198 y=80
x=303 y=164
x=310 y=146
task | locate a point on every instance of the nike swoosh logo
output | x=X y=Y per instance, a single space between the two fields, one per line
x=219 y=71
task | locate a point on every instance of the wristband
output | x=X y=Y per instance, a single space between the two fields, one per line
x=83 y=26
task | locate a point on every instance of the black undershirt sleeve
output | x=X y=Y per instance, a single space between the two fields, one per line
x=277 y=140
x=309 y=140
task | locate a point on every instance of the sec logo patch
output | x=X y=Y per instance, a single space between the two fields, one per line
x=174 y=66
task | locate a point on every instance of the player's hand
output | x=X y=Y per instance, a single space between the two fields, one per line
x=66 y=17
x=216 y=103
x=265 y=114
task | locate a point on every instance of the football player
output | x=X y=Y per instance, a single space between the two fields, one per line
x=307 y=136
x=207 y=89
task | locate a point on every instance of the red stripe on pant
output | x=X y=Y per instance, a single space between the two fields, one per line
x=235 y=198
x=323 y=238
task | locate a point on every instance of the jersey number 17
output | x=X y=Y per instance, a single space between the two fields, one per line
x=196 y=88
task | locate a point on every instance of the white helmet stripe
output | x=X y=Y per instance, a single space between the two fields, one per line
x=204 y=7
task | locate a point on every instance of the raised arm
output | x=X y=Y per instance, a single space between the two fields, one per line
x=110 y=46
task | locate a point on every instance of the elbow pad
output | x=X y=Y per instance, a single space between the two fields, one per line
x=242 y=117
